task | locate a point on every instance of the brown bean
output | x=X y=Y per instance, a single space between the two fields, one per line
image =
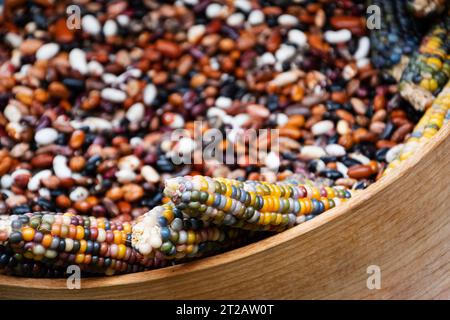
x=360 y=171
x=339 y=96
x=290 y=132
x=385 y=144
x=345 y=115
x=379 y=115
x=132 y=192
x=363 y=135
x=168 y=48
x=41 y=161
x=30 y=46
x=77 y=163
x=400 y=134
x=353 y=23
x=379 y=102
x=346 y=141
x=77 y=139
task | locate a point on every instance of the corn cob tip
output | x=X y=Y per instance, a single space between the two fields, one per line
x=419 y=97
x=397 y=70
x=5 y=228
x=173 y=187
x=165 y=233
x=146 y=232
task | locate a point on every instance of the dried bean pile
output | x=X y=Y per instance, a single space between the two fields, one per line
x=86 y=114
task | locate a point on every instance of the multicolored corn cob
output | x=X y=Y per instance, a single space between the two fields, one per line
x=48 y=243
x=96 y=245
x=253 y=205
x=425 y=8
x=430 y=123
x=429 y=69
x=398 y=36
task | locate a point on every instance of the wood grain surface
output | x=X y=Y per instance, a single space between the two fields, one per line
x=401 y=224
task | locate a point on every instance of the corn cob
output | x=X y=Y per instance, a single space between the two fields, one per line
x=251 y=205
x=430 y=123
x=425 y=8
x=397 y=38
x=429 y=69
x=96 y=245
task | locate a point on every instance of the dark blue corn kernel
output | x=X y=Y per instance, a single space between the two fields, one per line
x=76 y=246
x=4 y=258
x=61 y=245
x=177 y=213
x=162 y=221
x=202 y=246
x=96 y=247
x=94 y=260
x=89 y=246
x=16 y=225
x=87 y=233
x=15 y=237
x=196 y=224
x=165 y=234
x=186 y=224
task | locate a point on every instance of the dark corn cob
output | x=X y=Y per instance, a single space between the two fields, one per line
x=16 y=264
x=397 y=38
x=165 y=230
x=425 y=8
x=430 y=123
x=251 y=205
x=429 y=69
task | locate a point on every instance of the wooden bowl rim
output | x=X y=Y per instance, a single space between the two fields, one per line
x=242 y=252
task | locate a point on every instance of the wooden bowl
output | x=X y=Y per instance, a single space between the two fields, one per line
x=400 y=224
